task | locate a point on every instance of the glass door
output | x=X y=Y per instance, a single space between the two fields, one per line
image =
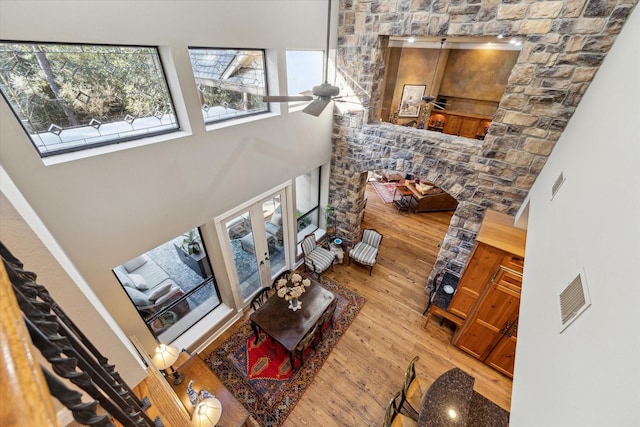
x=256 y=236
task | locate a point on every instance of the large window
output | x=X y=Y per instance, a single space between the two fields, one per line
x=73 y=97
x=172 y=286
x=304 y=70
x=308 y=202
x=230 y=82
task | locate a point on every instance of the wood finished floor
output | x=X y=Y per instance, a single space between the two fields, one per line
x=367 y=365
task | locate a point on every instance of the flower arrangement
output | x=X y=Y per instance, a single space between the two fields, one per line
x=293 y=288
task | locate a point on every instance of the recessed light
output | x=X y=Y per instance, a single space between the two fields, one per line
x=411 y=39
x=500 y=36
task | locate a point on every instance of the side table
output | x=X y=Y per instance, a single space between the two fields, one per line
x=336 y=248
x=403 y=202
x=194 y=368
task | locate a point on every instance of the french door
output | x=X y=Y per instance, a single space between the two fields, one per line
x=256 y=237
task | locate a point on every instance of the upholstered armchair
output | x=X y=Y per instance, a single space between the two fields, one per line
x=365 y=251
x=316 y=258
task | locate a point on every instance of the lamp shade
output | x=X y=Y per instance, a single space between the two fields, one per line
x=165 y=356
x=207 y=413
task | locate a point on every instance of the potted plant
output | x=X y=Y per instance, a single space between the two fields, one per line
x=191 y=242
x=329 y=217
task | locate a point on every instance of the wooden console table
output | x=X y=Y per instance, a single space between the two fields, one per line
x=194 y=368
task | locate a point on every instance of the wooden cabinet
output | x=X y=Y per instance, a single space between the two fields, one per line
x=466 y=125
x=488 y=294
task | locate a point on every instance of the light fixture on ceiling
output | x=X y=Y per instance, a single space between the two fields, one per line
x=411 y=39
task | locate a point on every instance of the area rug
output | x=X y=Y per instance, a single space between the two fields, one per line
x=260 y=376
x=385 y=190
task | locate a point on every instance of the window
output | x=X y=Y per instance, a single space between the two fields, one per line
x=304 y=70
x=307 y=202
x=230 y=82
x=73 y=97
x=172 y=286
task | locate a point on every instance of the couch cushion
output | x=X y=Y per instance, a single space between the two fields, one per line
x=423 y=188
x=135 y=263
x=152 y=273
x=123 y=277
x=159 y=290
x=138 y=298
x=138 y=281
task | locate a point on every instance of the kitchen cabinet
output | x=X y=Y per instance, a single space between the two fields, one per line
x=487 y=297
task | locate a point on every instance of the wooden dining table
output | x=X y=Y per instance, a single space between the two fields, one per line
x=286 y=326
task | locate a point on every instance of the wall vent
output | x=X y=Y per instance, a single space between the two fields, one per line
x=574 y=299
x=556 y=185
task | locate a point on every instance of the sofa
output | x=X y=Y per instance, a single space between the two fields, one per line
x=429 y=198
x=149 y=286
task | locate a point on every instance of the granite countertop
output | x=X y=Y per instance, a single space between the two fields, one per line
x=441 y=299
x=448 y=400
x=451 y=401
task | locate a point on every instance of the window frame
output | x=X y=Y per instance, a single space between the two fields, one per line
x=110 y=142
x=213 y=124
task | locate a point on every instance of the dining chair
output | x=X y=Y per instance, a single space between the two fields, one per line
x=365 y=251
x=413 y=390
x=327 y=316
x=393 y=417
x=316 y=258
x=284 y=275
x=260 y=298
x=308 y=340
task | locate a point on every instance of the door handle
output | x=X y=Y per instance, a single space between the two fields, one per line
x=506 y=327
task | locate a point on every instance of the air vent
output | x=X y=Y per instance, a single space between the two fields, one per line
x=574 y=299
x=557 y=185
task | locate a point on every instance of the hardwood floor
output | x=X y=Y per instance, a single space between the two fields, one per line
x=367 y=365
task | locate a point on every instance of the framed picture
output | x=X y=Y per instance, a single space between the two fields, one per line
x=411 y=100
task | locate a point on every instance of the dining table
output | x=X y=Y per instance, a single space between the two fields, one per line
x=289 y=327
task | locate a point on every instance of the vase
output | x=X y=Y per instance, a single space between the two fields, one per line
x=295 y=304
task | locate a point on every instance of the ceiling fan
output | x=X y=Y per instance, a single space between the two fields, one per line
x=321 y=95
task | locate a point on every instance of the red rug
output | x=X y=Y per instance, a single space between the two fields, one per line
x=385 y=190
x=260 y=376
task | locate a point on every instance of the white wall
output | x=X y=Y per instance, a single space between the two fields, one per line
x=107 y=209
x=590 y=374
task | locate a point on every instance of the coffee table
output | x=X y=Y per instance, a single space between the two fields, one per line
x=289 y=327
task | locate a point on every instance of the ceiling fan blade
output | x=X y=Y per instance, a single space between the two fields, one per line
x=286 y=98
x=316 y=107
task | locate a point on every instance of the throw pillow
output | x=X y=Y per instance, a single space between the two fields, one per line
x=135 y=263
x=138 y=281
x=159 y=290
x=276 y=219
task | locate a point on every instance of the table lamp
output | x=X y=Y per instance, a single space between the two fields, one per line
x=207 y=413
x=165 y=356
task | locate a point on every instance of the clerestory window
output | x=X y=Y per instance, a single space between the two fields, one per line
x=71 y=97
x=230 y=82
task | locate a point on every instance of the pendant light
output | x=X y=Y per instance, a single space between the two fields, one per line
x=429 y=98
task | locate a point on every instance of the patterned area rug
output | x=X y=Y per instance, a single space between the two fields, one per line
x=260 y=376
x=385 y=190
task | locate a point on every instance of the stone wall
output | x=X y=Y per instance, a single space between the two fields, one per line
x=564 y=43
